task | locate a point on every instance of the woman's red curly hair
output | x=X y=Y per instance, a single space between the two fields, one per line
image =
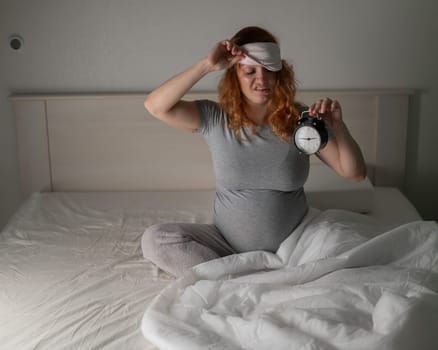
x=283 y=112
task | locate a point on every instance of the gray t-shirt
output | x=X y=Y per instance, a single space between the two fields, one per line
x=259 y=182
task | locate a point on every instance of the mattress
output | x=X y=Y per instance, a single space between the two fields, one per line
x=72 y=274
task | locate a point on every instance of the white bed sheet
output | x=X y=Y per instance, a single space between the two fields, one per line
x=71 y=271
x=392 y=208
x=72 y=274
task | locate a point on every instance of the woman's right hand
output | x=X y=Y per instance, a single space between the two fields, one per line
x=224 y=54
x=165 y=102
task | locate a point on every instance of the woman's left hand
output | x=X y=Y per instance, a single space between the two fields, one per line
x=342 y=153
x=330 y=110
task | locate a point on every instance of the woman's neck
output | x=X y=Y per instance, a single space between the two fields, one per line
x=258 y=114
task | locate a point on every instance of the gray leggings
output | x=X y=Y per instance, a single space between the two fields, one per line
x=176 y=247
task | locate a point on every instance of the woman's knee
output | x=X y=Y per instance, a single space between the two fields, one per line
x=155 y=237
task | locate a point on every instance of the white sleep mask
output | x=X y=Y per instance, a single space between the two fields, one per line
x=265 y=54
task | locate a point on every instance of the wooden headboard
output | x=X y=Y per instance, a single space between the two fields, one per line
x=108 y=142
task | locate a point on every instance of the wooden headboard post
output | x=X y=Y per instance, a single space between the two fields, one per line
x=391 y=139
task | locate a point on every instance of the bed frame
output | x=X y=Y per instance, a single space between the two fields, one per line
x=108 y=142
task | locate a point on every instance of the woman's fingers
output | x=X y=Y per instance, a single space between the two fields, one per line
x=229 y=52
x=327 y=108
x=324 y=105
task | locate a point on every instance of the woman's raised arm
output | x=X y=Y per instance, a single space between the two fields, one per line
x=165 y=102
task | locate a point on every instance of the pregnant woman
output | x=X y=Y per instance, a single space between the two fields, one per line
x=259 y=172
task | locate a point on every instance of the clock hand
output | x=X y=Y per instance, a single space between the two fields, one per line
x=308 y=138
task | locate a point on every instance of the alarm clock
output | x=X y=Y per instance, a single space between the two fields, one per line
x=310 y=135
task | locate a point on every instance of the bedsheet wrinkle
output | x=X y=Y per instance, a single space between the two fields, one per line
x=72 y=275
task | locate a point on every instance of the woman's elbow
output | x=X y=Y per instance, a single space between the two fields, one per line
x=152 y=108
x=156 y=107
x=359 y=175
x=148 y=105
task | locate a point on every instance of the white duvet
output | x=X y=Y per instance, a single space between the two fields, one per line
x=338 y=282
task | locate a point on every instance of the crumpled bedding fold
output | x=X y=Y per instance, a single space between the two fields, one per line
x=339 y=281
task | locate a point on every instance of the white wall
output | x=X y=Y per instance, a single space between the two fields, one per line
x=133 y=45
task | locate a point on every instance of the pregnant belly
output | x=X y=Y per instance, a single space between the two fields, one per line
x=258 y=219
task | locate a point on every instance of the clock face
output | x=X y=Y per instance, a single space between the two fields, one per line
x=307 y=139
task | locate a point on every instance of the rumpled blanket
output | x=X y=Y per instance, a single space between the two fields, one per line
x=339 y=281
